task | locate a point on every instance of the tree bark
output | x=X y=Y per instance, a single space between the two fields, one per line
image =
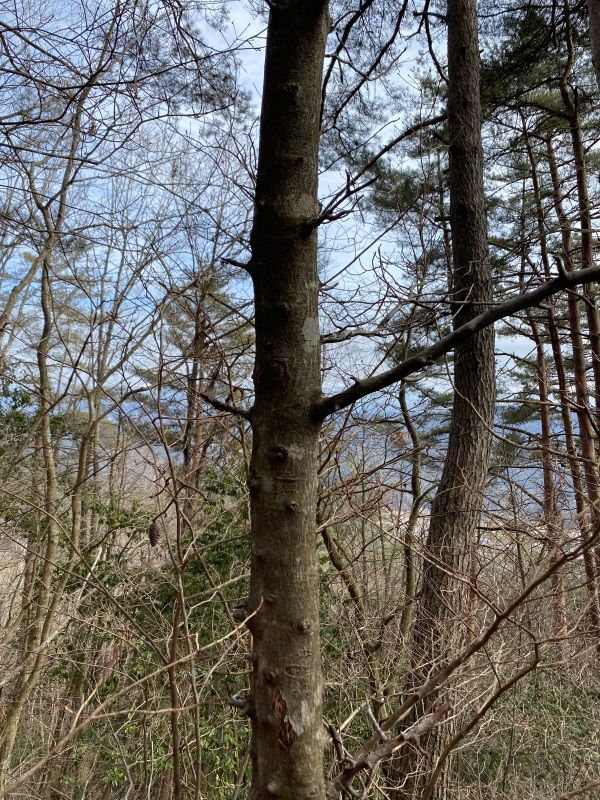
x=457 y=505
x=587 y=434
x=565 y=402
x=594 y=12
x=286 y=683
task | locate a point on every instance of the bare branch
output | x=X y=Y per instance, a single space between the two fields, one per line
x=427 y=356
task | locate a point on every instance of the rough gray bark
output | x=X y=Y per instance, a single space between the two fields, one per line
x=285 y=706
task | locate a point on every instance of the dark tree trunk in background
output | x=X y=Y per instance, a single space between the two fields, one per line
x=287 y=738
x=594 y=12
x=457 y=505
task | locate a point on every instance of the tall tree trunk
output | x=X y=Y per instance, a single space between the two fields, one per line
x=34 y=659
x=552 y=517
x=585 y=216
x=285 y=702
x=565 y=402
x=457 y=505
x=587 y=434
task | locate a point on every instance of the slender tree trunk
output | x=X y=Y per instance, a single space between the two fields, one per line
x=457 y=505
x=286 y=683
x=47 y=593
x=585 y=222
x=410 y=559
x=33 y=659
x=552 y=519
x=581 y=504
x=587 y=434
x=585 y=216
